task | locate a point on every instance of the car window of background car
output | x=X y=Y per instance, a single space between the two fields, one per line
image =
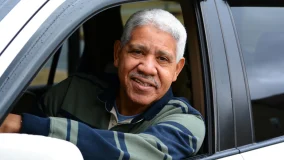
x=261 y=35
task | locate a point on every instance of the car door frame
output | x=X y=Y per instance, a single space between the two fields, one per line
x=244 y=132
x=234 y=125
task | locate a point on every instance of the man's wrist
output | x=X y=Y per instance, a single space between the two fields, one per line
x=17 y=122
x=12 y=124
x=40 y=126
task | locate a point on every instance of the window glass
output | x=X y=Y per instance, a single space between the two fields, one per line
x=261 y=36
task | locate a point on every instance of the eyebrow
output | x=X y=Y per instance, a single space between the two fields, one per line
x=138 y=46
x=160 y=52
x=167 y=54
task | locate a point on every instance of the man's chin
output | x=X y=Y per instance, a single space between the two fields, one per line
x=142 y=100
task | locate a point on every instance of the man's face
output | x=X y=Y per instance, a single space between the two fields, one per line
x=147 y=64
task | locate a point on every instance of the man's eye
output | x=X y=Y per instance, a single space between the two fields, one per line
x=163 y=59
x=136 y=51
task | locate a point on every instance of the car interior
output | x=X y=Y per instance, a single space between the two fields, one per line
x=95 y=56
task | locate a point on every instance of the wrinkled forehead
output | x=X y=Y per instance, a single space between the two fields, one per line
x=162 y=41
x=160 y=27
x=151 y=27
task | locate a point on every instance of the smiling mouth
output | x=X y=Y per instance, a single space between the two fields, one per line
x=145 y=84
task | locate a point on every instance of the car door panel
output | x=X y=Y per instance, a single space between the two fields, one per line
x=6 y=6
x=274 y=152
x=234 y=157
x=12 y=23
x=240 y=95
x=221 y=89
x=22 y=38
x=9 y=60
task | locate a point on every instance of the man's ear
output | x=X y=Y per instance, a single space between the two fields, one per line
x=179 y=67
x=117 y=48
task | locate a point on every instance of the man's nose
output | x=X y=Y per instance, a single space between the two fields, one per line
x=148 y=66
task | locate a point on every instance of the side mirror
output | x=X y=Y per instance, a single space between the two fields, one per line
x=33 y=147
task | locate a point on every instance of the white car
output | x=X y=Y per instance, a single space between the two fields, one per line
x=233 y=75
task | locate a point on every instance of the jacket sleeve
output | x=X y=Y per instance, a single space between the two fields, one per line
x=171 y=138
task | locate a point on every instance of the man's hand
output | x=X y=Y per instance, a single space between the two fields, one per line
x=12 y=124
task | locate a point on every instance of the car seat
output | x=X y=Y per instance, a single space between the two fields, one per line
x=100 y=33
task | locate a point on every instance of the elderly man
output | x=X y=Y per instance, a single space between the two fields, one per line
x=140 y=119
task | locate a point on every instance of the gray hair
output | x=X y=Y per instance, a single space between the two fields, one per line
x=160 y=19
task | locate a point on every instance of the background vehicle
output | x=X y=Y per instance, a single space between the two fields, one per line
x=233 y=74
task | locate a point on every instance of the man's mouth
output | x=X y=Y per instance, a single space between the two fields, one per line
x=142 y=83
x=145 y=83
x=143 y=80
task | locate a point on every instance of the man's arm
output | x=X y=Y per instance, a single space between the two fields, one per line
x=171 y=138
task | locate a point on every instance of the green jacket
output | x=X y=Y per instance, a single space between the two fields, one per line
x=169 y=129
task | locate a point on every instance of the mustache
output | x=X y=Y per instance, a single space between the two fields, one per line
x=149 y=78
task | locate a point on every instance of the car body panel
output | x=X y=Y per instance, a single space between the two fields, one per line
x=12 y=23
x=234 y=157
x=221 y=87
x=13 y=49
x=274 y=152
x=239 y=90
x=6 y=6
